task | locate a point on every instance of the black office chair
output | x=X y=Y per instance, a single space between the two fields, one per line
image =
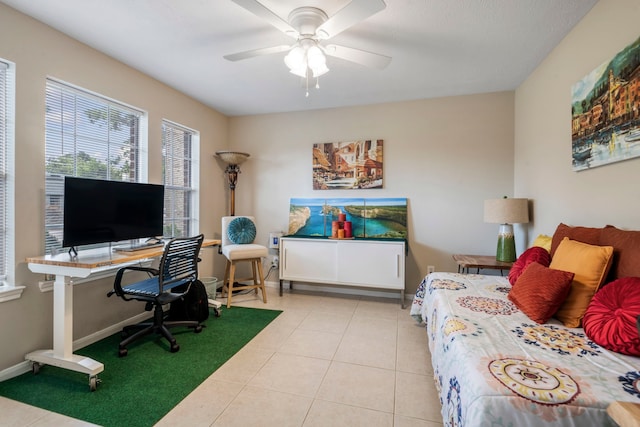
x=178 y=266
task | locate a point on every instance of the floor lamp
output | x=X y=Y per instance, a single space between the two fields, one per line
x=233 y=159
x=506 y=212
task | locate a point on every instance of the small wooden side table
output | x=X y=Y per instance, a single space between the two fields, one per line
x=625 y=414
x=465 y=262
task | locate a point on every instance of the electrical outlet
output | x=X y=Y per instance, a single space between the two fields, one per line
x=275 y=262
x=430 y=269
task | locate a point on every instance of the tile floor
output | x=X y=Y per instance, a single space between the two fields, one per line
x=327 y=360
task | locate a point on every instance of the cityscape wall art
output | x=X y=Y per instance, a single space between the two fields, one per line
x=348 y=165
x=605 y=110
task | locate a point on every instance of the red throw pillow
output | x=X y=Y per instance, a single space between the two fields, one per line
x=610 y=319
x=533 y=254
x=540 y=291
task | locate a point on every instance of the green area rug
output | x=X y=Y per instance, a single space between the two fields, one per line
x=139 y=389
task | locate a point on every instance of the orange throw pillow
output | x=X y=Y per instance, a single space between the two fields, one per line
x=590 y=265
x=539 y=291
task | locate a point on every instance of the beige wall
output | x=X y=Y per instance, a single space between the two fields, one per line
x=39 y=52
x=444 y=155
x=603 y=195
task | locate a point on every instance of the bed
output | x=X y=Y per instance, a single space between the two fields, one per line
x=495 y=366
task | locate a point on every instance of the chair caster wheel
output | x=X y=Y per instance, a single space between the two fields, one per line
x=175 y=348
x=197 y=329
x=93 y=383
x=122 y=352
x=216 y=312
x=35 y=368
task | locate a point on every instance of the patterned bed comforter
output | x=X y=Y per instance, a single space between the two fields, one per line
x=494 y=366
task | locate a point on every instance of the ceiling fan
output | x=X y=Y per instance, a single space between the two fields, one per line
x=310 y=27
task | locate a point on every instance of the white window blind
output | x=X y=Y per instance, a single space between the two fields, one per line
x=179 y=179
x=87 y=136
x=6 y=118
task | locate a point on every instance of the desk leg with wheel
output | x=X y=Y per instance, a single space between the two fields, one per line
x=62 y=353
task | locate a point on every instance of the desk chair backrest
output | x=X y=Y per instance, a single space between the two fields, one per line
x=179 y=263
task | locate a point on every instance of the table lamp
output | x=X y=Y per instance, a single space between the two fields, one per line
x=506 y=212
x=233 y=159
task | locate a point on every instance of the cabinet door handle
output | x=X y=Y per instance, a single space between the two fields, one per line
x=284 y=267
x=398 y=265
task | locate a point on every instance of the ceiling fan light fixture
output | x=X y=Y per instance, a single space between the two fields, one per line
x=306 y=56
x=295 y=59
x=319 y=70
x=315 y=55
x=309 y=26
x=302 y=71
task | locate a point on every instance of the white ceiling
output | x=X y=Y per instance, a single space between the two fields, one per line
x=439 y=47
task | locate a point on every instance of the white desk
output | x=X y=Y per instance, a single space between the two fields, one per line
x=64 y=268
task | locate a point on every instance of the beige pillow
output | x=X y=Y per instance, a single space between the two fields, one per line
x=590 y=265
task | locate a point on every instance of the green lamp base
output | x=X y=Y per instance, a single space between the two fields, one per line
x=506 y=250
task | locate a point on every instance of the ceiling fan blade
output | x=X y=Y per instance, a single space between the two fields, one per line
x=351 y=14
x=261 y=11
x=256 y=52
x=362 y=57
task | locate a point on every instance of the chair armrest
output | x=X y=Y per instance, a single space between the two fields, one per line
x=150 y=270
x=117 y=283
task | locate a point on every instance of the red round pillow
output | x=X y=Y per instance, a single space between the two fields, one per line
x=533 y=254
x=610 y=319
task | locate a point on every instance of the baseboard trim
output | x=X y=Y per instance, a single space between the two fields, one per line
x=346 y=290
x=97 y=336
x=25 y=366
x=15 y=370
x=340 y=289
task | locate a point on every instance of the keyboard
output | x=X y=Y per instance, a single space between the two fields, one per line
x=138 y=247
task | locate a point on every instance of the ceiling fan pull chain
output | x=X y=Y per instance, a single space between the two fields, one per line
x=307 y=84
x=317 y=82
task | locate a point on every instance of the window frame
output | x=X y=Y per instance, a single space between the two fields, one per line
x=8 y=288
x=141 y=155
x=194 y=175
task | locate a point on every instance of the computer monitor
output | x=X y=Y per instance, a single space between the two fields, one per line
x=99 y=211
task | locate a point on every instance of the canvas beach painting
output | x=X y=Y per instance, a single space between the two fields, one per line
x=348 y=165
x=605 y=110
x=371 y=217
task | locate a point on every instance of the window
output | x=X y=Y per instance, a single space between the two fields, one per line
x=180 y=148
x=7 y=142
x=88 y=136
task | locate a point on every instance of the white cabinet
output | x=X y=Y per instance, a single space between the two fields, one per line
x=365 y=263
x=308 y=260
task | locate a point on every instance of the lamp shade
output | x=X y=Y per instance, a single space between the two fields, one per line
x=232 y=157
x=506 y=211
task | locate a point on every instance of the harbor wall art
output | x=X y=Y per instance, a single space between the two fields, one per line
x=348 y=165
x=370 y=217
x=605 y=112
